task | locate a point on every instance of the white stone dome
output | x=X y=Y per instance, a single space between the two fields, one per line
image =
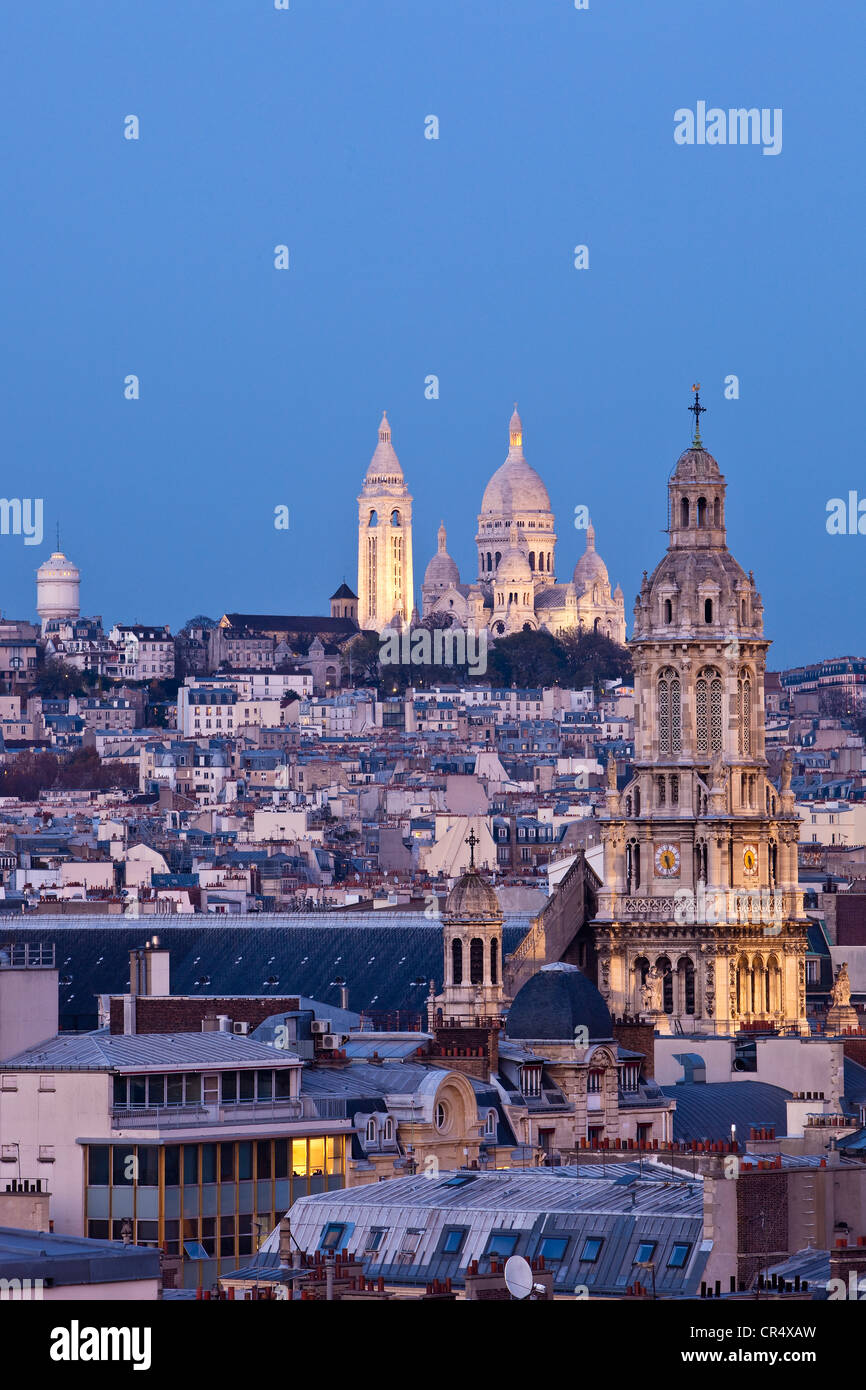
x=441 y=572
x=514 y=565
x=590 y=568
x=515 y=486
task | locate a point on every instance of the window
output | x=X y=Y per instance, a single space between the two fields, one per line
x=669 y=712
x=452 y=1241
x=644 y=1252
x=501 y=1243
x=332 y=1235
x=708 y=610
x=490 y=1123
x=441 y=1115
x=374 y=1240
x=591 y=1249
x=554 y=1247
x=371 y=1131
x=679 y=1255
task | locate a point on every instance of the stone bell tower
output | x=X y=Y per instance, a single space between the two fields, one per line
x=385 y=581
x=700 y=925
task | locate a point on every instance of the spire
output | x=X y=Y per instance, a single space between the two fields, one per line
x=384 y=429
x=442 y=538
x=590 y=537
x=697 y=410
x=515 y=430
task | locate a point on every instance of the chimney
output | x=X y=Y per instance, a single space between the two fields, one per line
x=149 y=969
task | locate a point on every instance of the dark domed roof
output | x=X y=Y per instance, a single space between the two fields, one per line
x=472 y=896
x=553 y=1003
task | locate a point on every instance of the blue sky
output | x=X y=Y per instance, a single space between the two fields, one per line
x=411 y=257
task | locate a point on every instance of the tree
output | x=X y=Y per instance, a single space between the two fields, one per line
x=58 y=680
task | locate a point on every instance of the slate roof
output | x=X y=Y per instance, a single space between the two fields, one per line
x=554 y=1002
x=707 y=1110
x=379 y=956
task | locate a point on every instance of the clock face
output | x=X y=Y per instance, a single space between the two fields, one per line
x=750 y=859
x=667 y=861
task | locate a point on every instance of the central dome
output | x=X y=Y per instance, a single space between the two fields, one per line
x=515 y=486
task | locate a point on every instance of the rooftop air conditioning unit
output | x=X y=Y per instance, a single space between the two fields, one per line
x=241 y=1028
x=320 y=1025
x=331 y=1040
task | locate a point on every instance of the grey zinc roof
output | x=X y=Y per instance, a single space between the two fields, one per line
x=68 y=1259
x=103 y=1052
x=532 y=1204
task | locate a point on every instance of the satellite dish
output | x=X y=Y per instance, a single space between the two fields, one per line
x=518 y=1276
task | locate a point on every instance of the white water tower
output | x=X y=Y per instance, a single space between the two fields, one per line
x=58 y=582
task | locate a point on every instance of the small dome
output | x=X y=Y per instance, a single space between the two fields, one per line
x=555 y=1002
x=441 y=572
x=472 y=896
x=590 y=568
x=514 y=566
x=515 y=486
x=695 y=465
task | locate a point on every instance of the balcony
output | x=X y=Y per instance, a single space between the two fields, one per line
x=197 y=1116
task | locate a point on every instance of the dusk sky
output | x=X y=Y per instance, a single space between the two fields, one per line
x=412 y=257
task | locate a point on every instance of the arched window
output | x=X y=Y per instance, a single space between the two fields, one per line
x=497 y=557
x=532 y=560
x=669 y=712
x=371 y=1131
x=717 y=511
x=684 y=512
x=476 y=961
x=457 y=961
x=708 y=610
x=702 y=511
x=490 y=1124
x=395 y=517
x=743 y=611
x=374 y=519
x=743 y=986
x=669 y=611
x=686 y=983
x=632 y=866
x=489 y=561
x=548 y=561
x=664 y=965
x=637 y=801
x=708 y=711
x=744 y=701
x=389 y=1130
x=494 y=961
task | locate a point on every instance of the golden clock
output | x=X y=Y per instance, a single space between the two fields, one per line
x=667 y=861
x=750 y=859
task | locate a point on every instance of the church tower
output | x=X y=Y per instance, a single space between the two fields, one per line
x=472 y=944
x=385 y=585
x=700 y=922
